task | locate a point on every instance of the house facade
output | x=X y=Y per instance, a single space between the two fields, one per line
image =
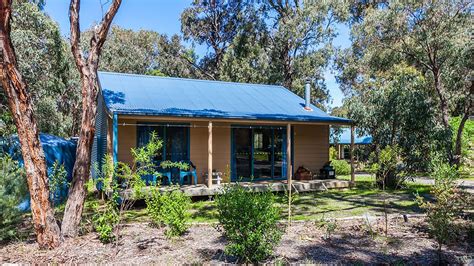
x=245 y=131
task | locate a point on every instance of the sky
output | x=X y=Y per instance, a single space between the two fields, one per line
x=162 y=16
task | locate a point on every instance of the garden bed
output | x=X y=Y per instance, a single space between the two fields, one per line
x=304 y=242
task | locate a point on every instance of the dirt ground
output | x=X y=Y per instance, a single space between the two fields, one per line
x=353 y=241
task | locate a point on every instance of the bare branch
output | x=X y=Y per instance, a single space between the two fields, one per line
x=104 y=26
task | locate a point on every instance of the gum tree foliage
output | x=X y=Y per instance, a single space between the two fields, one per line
x=274 y=42
x=301 y=37
x=145 y=52
x=214 y=24
x=12 y=190
x=430 y=36
x=45 y=63
x=397 y=110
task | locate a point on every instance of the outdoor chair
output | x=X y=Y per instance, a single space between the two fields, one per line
x=190 y=173
x=153 y=179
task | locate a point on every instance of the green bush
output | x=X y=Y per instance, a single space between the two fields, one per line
x=171 y=209
x=153 y=206
x=105 y=220
x=332 y=153
x=13 y=190
x=388 y=167
x=57 y=183
x=249 y=221
x=341 y=167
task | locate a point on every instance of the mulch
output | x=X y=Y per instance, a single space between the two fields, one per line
x=353 y=241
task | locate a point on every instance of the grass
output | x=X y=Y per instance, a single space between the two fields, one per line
x=365 y=198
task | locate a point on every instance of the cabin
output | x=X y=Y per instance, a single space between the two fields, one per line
x=236 y=131
x=342 y=143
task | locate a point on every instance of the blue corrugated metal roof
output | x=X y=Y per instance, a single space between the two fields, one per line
x=151 y=95
x=345 y=138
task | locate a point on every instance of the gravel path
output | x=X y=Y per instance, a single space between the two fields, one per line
x=465 y=184
x=351 y=242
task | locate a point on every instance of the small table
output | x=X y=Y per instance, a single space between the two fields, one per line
x=216 y=177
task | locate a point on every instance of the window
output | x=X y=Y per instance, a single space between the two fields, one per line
x=175 y=140
x=258 y=152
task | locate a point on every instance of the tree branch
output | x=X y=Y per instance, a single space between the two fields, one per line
x=76 y=33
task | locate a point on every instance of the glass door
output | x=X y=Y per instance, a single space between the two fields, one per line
x=262 y=153
x=258 y=153
x=242 y=152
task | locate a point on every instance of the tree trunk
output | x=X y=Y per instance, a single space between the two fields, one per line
x=81 y=170
x=467 y=113
x=88 y=70
x=443 y=102
x=46 y=228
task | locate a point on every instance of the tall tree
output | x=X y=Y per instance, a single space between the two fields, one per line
x=87 y=66
x=47 y=230
x=145 y=52
x=301 y=40
x=214 y=23
x=46 y=64
x=432 y=36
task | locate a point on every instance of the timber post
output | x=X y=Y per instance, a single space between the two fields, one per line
x=352 y=155
x=289 y=171
x=209 y=154
x=115 y=138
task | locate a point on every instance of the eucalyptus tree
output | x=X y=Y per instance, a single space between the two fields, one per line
x=432 y=36
x=47 y=67
x=301 y=35
x=21 y=107
x=145 y=52
x=87 y=65
x=397 y=110
x=215 y=24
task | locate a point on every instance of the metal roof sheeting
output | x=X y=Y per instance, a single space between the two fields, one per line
x=163 y=96
x=345 y=138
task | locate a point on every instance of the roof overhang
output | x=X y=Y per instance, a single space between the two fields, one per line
x=194 y=118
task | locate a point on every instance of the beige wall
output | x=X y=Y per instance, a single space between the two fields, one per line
x=127 y=139
x=220 y=147
x=311 y=144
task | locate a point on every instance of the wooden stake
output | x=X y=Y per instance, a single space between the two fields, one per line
x=289 y=169
x=352 y=155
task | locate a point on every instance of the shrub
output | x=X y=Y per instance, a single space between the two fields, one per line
x=448 y=204
x=341 y=167
x=58 y=184
x=388 y=167
x=105 y=221
x=153 y=206
x=332 y=153
x=13 y=190
x=171 y=209
x=249 y=221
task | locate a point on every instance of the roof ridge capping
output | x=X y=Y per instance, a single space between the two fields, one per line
x=200 y=80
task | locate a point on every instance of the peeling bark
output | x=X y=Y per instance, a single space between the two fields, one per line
x=46 y=228
x=90 y=90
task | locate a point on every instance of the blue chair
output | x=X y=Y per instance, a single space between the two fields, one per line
x=166 y=174
x=183 y=174
x=191 y=172
x=153 y=179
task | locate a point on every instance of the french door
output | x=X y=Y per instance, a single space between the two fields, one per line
x=258 y=153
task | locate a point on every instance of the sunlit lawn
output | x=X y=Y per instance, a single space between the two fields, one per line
x=361 y=200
